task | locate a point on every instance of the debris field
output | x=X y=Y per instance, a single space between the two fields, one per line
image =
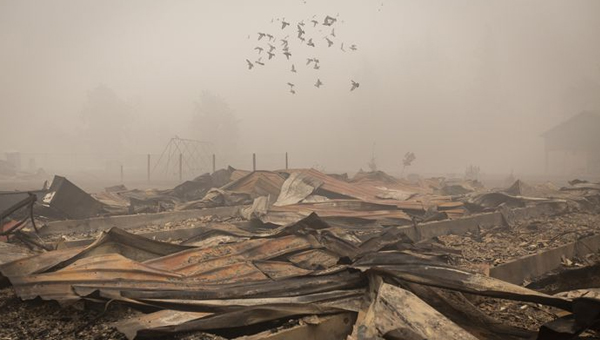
x=299 y=254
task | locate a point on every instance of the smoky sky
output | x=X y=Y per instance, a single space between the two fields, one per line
x=455 y=82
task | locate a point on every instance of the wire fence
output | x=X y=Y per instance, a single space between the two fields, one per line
x=150 y=167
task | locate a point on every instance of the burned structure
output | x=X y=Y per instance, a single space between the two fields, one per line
x=572 y=147
x=187 y=170
x=299 y=254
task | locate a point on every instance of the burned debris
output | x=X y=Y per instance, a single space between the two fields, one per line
x=301 y=254
x=193 y=170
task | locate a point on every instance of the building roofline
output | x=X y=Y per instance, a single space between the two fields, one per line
x=581 y=115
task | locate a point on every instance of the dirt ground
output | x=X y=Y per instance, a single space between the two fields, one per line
x=47 y=320
x=498 y=245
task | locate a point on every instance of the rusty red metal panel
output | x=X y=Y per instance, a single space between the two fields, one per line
x=257 y=183
x=279 y=270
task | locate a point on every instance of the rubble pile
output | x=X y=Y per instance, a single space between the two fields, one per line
x=313 y=256
x=198 y=222
x=496 y=245
x=310 y=272
x=284 y=196
x=299 y=190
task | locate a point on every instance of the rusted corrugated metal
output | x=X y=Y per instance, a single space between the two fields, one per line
x=113 y=241
x=280 y=269
x=257 y=183
x=290 y=272
x=169 y=322
x=157 y=320
x=57 y=285
x=396 y=313
x=327 y=327
x=314 y=259
x=333 y=297
x=347 y=208
x=198 y=260
x=371 y=191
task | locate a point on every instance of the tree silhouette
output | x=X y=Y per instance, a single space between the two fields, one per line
x=107 y=119
x=214 y=121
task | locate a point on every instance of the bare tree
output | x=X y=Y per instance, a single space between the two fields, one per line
x=373 y=162
x=107 y=119
x=409 y=157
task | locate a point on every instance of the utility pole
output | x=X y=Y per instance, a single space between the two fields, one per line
x=148 y=168
x=180 y=167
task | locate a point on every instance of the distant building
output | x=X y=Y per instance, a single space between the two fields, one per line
x=573 y=147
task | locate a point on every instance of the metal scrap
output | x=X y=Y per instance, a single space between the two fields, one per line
x=70 y=200
x=340 y=265
x=307 y=268
x=25 y=203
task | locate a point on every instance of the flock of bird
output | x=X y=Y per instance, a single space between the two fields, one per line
x=308 y=33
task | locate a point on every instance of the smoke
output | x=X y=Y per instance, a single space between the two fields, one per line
x=458 y=83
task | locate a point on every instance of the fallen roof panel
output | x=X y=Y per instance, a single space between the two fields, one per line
x=257 y=183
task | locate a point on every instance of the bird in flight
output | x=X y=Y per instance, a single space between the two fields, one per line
x=271 y=38
x=310 y=43
x=261 y=35
x=329 y=21
x=353 y=47
x=329 y=42
x=293 y=68
x=355 y=85
x=284 y=24
x=259 y=62
x=292 y=88
x=271 y=48
x=287 y=54
x=333 y=32
x=315 y=23
x=342 y=48
x=284 y=42
x=300 y=32
x=250 y=65
x=316 y=67
x=271 y=55
x=318 y=83
x=259 y=49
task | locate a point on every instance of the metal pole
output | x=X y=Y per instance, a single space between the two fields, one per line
x=253 y=162
x=148 y=168
x=121 y=173
x=214 y=163
x=286 y=160
x=180 y=167
x=546 y=157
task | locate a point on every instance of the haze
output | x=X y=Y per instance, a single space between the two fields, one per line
x=456 y=82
